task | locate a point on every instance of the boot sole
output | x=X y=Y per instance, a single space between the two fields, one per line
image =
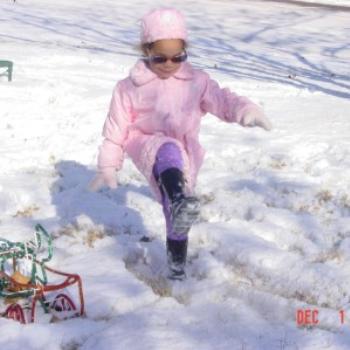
x=176 y=276
x=186 y=214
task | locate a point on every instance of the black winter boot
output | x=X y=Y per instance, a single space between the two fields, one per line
x=176 y=254
x=184 y=209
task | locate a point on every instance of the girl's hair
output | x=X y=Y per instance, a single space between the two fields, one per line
x=148 y=46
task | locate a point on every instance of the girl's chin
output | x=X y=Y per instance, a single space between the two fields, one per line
x=165 y=75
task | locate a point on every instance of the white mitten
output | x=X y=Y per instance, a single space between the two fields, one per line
x=105 y=177
x=256 y=119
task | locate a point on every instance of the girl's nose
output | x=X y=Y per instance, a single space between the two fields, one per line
x=168 y=64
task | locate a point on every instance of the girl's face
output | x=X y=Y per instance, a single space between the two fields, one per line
x=167 y=48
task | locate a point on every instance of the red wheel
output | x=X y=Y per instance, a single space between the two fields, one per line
x=63 y=303
x=15 y=312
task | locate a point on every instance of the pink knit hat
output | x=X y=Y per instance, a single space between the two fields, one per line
x=163 y=23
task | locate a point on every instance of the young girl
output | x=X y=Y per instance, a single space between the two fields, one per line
x=154 y=117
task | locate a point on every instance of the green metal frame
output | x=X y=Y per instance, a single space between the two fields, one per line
x=18 y=250
x=21 y=296
x=9 y=66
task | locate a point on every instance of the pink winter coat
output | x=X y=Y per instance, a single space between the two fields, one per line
x=146 y=111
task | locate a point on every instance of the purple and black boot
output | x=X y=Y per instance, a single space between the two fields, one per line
x=184 y=211
x=180 y=211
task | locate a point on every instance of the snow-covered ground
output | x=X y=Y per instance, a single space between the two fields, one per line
x=342 y=4
x=274 y=235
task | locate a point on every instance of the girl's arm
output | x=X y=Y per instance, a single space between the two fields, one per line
x=115 y=129
x=230 y=107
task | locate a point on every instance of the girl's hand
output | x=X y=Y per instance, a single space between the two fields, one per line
x=256 y=119
x=105 y=177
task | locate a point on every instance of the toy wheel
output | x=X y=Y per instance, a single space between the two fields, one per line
x=63 y=302
x=15 y=312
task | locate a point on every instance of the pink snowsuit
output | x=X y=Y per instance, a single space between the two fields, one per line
x=146 y=111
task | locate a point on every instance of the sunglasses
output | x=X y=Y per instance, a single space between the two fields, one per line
x=162 y=59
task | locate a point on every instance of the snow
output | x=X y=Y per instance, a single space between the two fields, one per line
x=329 y=3
x=334 y=4
x=274 y=234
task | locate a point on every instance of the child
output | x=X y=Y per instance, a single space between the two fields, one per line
x=155 y=116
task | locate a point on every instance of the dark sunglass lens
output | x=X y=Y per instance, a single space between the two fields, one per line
x=158 y=59
x=178 y=59
x=163 y=59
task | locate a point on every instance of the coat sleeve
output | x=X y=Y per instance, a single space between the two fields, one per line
x=225 y=104
x=115 y=129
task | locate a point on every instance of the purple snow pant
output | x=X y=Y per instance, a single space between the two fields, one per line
x=168 y=156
